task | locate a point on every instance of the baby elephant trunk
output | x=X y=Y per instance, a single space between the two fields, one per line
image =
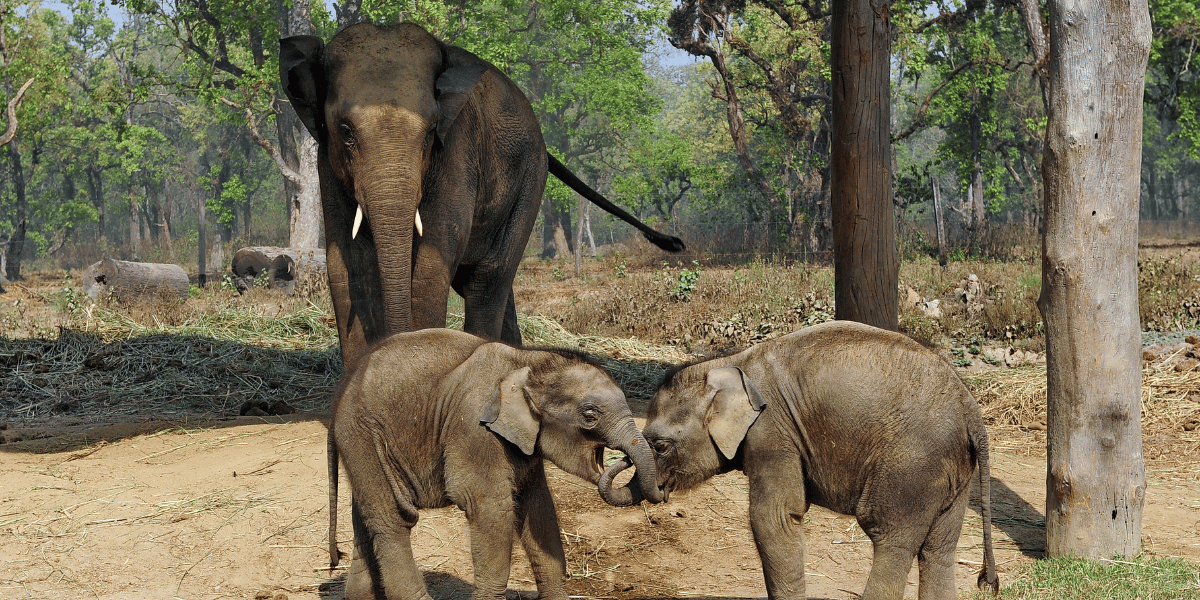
x=638 y=455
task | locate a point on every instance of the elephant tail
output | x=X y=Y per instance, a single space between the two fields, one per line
x=331 y=456
x=987 y=576
x=669 y=243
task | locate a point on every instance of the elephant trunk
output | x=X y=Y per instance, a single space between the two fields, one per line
x=639 y=455
x=390 y=206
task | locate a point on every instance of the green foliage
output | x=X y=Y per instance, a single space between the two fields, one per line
x=686 y=283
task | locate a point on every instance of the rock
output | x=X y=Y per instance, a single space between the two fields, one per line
x=914 y=299
x=931 y=309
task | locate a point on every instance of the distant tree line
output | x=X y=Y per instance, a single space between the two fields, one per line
x=155 y=128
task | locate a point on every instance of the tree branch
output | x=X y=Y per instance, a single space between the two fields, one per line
x=12 y=113
x=920 y=116
x=276 y=155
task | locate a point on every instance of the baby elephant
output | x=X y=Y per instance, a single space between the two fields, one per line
x=438 y=417
x=862 y=421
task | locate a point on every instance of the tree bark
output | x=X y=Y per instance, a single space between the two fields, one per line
x=866 y=265
x=305 y=227
x=1089 y=300
x=16 y=241
x=1031 y=17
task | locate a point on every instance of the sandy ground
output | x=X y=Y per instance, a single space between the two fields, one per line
x=237 y=509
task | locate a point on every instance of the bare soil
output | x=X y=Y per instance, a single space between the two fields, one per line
x=236 y=508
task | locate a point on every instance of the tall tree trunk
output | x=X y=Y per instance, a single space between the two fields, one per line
x=305 y=230
x=135 y=222
x=95 y=181
x=1095 y=484
x=1031 y=17
x=866 y=265
x=304 y=199
x=201 y=241
x=16 y=241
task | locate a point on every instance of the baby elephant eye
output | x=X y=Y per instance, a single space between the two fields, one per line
x=590 y=415
x=661 y=446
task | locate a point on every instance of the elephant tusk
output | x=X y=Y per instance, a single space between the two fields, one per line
x=357 y=222
x=417 y=221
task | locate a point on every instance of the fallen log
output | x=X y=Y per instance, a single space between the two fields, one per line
x=128 y=281
x=280 y=268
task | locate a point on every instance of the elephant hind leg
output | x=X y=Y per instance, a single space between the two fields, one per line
x=383 y=516
x=936 y=557
x=383 y=567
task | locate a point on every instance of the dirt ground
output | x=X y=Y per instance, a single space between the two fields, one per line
x=237 y=509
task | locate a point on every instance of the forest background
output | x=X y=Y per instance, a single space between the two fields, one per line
x=154 y=130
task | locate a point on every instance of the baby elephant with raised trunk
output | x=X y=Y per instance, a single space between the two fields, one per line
x=438 y=417
x=862 y=421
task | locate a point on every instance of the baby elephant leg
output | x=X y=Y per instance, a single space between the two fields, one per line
x=383 y=518
x=383 y=566
x=540 y=537
x=936 y=557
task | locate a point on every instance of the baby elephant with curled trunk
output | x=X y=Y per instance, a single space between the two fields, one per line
x=862 y=421
x=438 y=417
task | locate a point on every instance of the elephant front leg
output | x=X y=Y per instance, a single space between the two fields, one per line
x=492 y=532
x=777 y=507
x=540 y=538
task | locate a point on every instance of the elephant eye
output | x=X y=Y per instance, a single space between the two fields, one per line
x=347 y=132
x=590 y=415
x=661 y=447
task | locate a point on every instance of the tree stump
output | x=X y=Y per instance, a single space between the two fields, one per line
x=282 y=268
x=128 y=281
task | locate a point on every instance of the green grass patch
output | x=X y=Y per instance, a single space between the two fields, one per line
x=1142 y=578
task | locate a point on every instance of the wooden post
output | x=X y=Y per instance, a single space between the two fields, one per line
x=1096 y=478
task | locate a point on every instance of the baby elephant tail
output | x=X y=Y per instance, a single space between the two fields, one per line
x=987 y=576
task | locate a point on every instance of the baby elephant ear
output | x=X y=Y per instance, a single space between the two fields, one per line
x=509 y=413
x=735 y=407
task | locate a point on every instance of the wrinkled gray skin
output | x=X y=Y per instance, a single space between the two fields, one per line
x=860 y=420
x=407 y=125
x=438 y=417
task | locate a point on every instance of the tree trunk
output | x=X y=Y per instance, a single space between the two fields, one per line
x=1095 y=484
x=202 y=241
x=130 y=281
x=866 y=266
x=938 y=217
x=305 y=226
x=16 y=241
x=95 y=181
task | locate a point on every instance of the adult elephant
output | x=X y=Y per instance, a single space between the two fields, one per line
x=432 y=167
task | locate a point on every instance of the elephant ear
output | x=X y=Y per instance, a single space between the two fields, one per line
x=303 y=79
x=454 y=86
x=736 y=404
x=509 y=414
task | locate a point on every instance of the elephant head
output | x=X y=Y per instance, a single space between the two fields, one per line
x=569 y=409
x=380 y=102
x=695 y=423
